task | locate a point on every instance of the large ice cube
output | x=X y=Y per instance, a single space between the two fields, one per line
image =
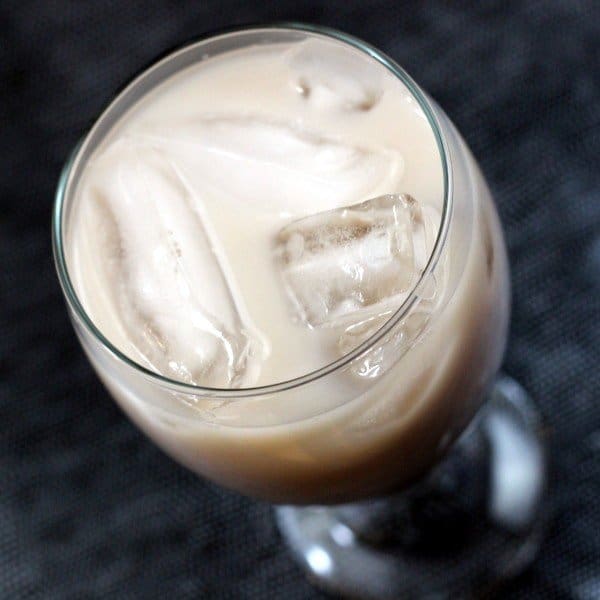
x=164 y=257
x=330 y=76
x=271 y=164
x=346 y=265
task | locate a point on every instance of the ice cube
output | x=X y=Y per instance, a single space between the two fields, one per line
x=390 y=348
x=176 y=323
x=429 y=298
x=329 y=76
x=346 y=265
x=270 y=164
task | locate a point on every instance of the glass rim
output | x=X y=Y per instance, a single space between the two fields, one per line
x=244 y=392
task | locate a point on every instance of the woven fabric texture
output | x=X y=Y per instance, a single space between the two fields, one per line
x=91 y=509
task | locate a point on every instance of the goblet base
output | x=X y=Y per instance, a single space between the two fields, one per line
x=475 y=522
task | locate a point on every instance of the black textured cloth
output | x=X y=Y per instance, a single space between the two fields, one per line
x=88 y=507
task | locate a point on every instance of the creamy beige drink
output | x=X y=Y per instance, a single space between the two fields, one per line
x=253 y=219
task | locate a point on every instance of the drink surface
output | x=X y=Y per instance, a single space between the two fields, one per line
x=254 y=218
x=177 y=237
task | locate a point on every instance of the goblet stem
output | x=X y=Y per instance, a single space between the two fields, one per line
x=473 y=523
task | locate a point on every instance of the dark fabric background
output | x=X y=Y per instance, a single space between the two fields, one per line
x=88 y=507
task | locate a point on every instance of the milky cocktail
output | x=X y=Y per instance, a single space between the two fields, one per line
x=285 y=266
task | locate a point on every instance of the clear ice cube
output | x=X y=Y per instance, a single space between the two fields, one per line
x=429 y=296
x=390 y=348
x=162 y=255
x=344 y=266
x=332 y=77
x=270 y=164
